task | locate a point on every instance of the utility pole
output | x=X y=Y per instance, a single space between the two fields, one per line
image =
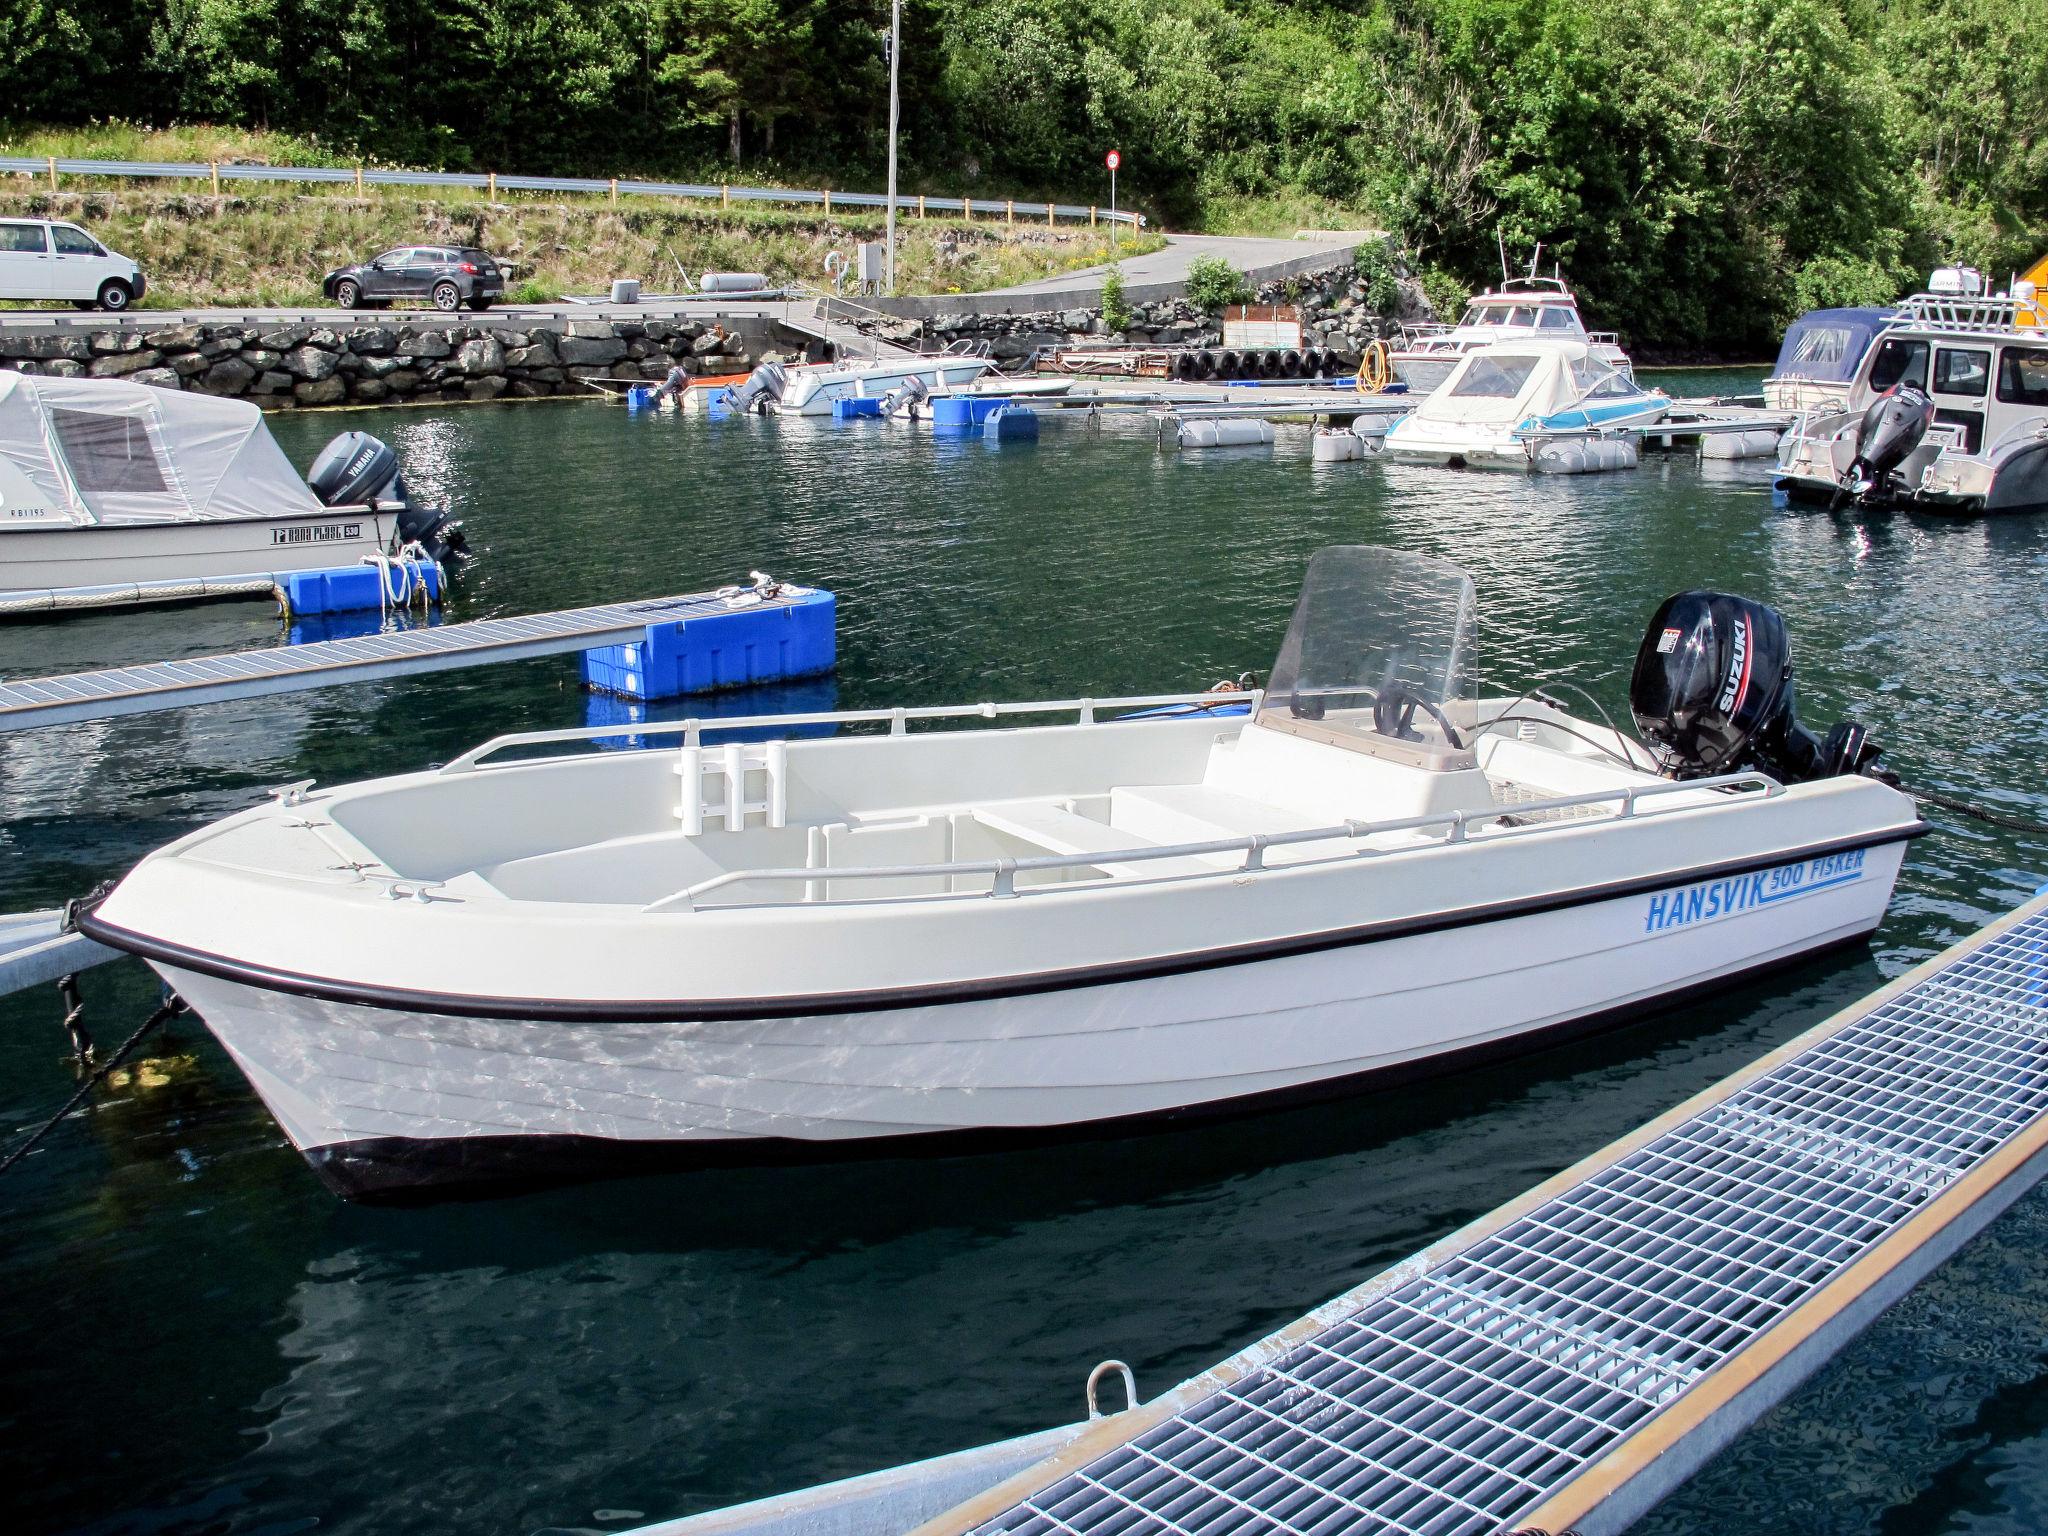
x=895 y=47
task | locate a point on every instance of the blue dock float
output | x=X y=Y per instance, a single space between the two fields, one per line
x=965 y=413
x=1010 y=424
x=858 y=408
x=706 y=652
x=1567 y=1361
x=360 y=588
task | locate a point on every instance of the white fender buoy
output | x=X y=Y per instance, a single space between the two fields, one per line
x=1225 y=434
x=1336 y=446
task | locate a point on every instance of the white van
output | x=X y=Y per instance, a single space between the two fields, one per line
x=43 y=259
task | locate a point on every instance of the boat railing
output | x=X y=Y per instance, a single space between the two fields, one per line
x=1975 y=316
x=1510 y=820
x=898 y=720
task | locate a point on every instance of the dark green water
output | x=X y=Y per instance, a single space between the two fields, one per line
x=195 y=1338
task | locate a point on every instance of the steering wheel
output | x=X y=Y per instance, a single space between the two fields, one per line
x=1393 y=714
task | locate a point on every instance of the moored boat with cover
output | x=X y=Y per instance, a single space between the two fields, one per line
x=524 y=965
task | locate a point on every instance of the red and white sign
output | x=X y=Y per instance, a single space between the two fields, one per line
x=1112 y=159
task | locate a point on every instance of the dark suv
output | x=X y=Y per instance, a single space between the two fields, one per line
x=445 y=276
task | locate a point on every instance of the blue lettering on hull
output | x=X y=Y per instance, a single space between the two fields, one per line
x=1745 y=893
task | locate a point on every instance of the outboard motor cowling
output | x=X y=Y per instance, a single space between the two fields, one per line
x=1712 y=693
x=908 y=399
x=763 y=388
x=357 y=469
x=1891 y=429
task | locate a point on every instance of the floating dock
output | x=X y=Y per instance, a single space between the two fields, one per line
x=1564 y=1363
x=371 y=658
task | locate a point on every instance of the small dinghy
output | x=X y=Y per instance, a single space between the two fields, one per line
x=1517 y=404
x=521 y=966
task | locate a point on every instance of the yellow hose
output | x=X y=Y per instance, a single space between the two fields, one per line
x=1375 y=369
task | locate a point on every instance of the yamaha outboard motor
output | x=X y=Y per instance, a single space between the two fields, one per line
x=907 y=399
x=357 y=469
x=1890 y=429
x=1712 y=693
x=762 y=389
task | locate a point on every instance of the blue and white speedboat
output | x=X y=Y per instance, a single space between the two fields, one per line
x=1550 y=406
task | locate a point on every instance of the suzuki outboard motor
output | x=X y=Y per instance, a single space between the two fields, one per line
x=357 y=469
x=1712 y=693
x=1892 y=428
x=762 y=390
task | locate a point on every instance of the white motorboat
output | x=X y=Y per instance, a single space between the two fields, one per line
x=510 y=968
x=1550 y=406
x=1532 y=308
x=1818 y=359
x=810 y=390
x=112 y=493
x=1947 y=412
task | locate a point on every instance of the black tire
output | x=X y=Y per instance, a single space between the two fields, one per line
x=479 y=305
x=348 y=293
x=1312 y=363
x=447 y=297
x=1267 y=365
x=1205 y=364
x=115 y=296
x=1228 y=364
x=1290 y=364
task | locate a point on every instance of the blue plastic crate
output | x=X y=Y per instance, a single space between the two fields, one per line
x=735 y=648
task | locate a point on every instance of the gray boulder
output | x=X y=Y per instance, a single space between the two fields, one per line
x=189 y=363
x=159 y=378
x=325 y=391
x=484 y=356
x=118 y=365
x=179 y=338
x=379 y=367
x=116 y=341
x=403 y=382
x=539 y=355
x=76 y=348
x=371 y=390
x=710 y=344
x=262 y=358
x=313 y=364
x=285 y=338
x=427 y=344
x=484 y=389
x=373 y=341
x=271 y=382
x=580 y=350
x=229 y=376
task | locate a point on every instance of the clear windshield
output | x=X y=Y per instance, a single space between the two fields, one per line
x=1381 y=657
x=1494 y=377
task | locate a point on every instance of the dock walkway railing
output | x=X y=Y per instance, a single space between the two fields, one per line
x=214 y=172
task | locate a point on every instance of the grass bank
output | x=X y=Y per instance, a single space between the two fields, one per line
x=270 y=245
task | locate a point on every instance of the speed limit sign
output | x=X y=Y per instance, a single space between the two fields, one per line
x=1112 y=159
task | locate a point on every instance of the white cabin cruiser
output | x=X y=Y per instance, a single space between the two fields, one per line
x=117 y=493
x=811 y=389
x=1948 y=412
x=525 y=968
x=1533 y=308
x=1818 y=359
x=1551 y=406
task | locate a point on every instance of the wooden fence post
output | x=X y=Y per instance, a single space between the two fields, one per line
x=967 y=210
x=920 y=205
x=492 y=194
x=615 y=191
x=53 y=173
x=359 y=181
x=724 y=196
x=1091 y=216
x=215 y=166
x=1010 y=210
x=828 y=200
x=1048 y=215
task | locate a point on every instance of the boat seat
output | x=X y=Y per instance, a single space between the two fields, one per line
x=1195 y=813
x=1059 y=830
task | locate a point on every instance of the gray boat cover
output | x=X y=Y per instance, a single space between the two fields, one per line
x=75 y=452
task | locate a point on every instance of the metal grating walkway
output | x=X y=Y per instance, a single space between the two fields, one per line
x=246 y=674
x=1524 y=1359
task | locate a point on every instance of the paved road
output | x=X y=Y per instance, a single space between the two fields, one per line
x=1253 y=256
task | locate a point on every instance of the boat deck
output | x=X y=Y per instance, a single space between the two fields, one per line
x=76 y=696
x=1567 y=1361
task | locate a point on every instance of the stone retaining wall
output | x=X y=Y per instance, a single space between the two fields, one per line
x=282 y=366
x=1334 y=316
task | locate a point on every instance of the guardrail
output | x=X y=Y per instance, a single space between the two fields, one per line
x=214 y=172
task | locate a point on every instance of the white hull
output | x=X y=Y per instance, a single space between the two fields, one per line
x=383 y=1099
x=811 y=391
x=155 y=558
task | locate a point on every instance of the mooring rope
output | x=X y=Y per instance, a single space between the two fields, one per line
x=174 y=1006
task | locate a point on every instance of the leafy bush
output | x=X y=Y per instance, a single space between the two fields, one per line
x=1116 y=311
x=1214 y=282
x=1375 y=265
x=533 y=291
x=1829 y=282
x=1446 y=294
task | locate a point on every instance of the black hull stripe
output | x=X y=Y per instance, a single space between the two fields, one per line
x=419 y=1170
x=672 y=1010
